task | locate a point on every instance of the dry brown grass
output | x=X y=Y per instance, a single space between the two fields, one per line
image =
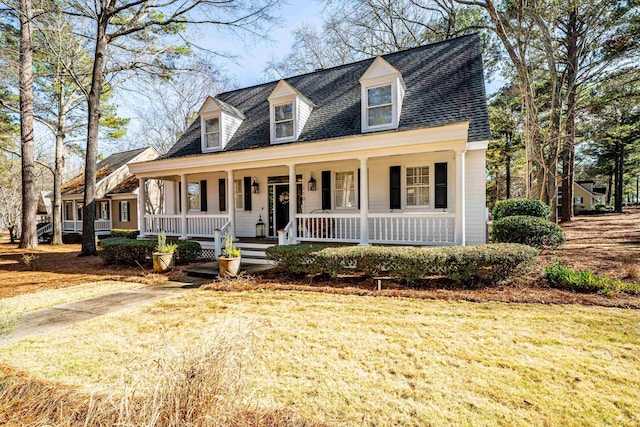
x=201 y=387
x=60 y=266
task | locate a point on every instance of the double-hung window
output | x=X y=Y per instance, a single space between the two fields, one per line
x=193 y=196
x=238 y=193
x=379 y=106
x=283 y=120
x=345 y=190
x=417 y=186
x=104 y=210
x=212 y=132
x=124 y=211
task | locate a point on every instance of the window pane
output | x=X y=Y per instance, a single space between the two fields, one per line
x=379 y=96
x=238 y=193
x=212 y=140
x=380 y=115
x=284 y=129
x=193 y=196
x=417 y=181
x=345 y=190
x=284 y=112
x=212 y=125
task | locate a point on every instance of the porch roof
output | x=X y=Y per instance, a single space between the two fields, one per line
x=445 y=85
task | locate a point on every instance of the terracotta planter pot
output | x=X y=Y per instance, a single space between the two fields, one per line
x=229 y=267
x=162 y=261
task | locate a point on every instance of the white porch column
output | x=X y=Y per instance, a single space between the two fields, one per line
x=184 y=204
x=142 y=206
x=75 y=216
x=459 y=199
x=231 y=204
x=293 y=204
x=364 y=202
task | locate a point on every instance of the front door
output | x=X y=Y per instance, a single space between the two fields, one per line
x=281 y=208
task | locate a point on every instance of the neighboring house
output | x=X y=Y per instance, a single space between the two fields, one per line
x=586 y=196
x=389 y=150
x=116 y=194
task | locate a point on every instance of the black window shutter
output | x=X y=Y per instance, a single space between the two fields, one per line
x=120 y=211
x=359 y=186
x=128 y=212
x=222 y=194
x=441 y=186
x=203 y=195
x=326 y=190
x=179 y=197
x=247 y=193
x=395 y=188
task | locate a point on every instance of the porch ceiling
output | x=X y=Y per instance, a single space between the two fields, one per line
x=452 y=137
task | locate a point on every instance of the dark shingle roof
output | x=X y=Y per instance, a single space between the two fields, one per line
x=445 y=85
x=103 y=169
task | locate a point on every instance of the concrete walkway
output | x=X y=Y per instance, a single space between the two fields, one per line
x=56 y=317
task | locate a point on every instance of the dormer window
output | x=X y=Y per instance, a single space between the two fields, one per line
x=212 y=133
x=218 y=122
x=379 y=106
x=289 y=111
x=283 y=120
x=382 y=95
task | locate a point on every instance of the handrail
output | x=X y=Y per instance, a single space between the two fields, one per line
x=284 y=235
x=218 y=235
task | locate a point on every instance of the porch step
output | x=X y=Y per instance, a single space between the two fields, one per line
x=254 y=253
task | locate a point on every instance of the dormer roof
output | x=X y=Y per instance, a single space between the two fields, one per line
x=444 y=85
x=380 y=69
x=284 y=89
x=212 y=104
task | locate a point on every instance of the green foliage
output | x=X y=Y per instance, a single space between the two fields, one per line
x=295 y=260
x=124 y=232
x=163 y=246
x=513 y=207
x=121 y=250
x=563 y=277
x=528 y=230
x=230 y=251
x=463 y=264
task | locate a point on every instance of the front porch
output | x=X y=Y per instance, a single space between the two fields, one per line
x=72 y=217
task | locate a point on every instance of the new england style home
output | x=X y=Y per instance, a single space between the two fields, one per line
x=388 y=150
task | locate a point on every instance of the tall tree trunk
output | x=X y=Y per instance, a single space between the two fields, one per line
x=93 y=106
x=609 y=187
x=29 y=236
x=57 y=184
x=569 y=152
x=619 y=174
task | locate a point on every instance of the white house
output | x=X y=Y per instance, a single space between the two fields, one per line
x=388 y=150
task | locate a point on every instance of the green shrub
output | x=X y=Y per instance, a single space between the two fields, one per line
x=528 y=230
x=123 y=232
x=559 y=276
x=120 y=250
x=488 y=263
x=188 y=251
x=517 y=207
x=295 y=260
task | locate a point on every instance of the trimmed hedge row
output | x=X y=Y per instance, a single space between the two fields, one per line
x=491 y=263
x=124 y=232
x=529 y=230
x=121 y=250
x=517 y=207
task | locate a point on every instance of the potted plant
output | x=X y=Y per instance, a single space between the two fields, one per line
x=229 y=262
x=163 y=255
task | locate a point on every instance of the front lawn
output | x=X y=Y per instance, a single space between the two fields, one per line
x=362 y=360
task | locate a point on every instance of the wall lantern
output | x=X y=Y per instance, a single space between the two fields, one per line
x=312 y=183
x=260 y=228
x=255 y=186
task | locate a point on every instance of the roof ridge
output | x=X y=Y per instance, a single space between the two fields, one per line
x=428 y=45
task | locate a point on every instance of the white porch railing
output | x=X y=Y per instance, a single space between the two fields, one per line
x=325 y=227
x=204 y=225
x=432 y=228
x=99 y=225
x=284 y=235
x=170 y=224
x=219 y=235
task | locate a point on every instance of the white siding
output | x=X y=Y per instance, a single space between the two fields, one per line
x=475 y=197
x=304 y=111
x=230 y=125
